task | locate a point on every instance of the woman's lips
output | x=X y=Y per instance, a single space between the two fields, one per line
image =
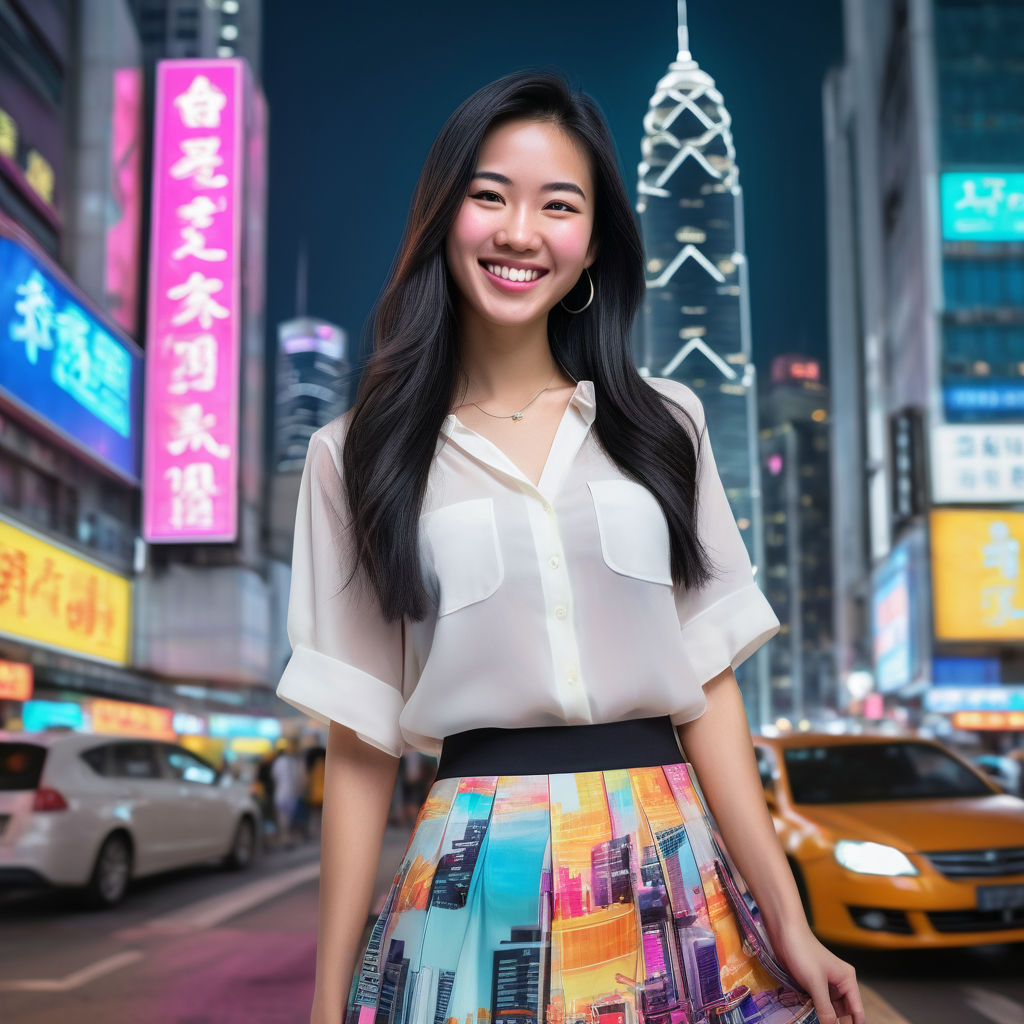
x=512 y=286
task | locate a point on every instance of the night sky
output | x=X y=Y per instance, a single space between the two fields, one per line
x=358 y=91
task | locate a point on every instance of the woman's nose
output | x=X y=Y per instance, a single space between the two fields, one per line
x=518 y=231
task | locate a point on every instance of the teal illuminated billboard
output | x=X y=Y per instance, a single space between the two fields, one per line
x=983 y=206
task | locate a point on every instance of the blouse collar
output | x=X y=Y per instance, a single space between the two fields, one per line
x=571 y=433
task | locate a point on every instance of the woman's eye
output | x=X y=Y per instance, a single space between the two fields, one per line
x=487 y=194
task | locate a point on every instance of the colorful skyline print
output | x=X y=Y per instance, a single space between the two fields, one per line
x=602 y=897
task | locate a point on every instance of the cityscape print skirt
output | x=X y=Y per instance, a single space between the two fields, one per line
x=574 y=895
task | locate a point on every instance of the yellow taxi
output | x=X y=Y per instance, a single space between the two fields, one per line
x=895 y=842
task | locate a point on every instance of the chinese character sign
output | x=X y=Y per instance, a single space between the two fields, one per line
x=978 y=574
x=16 y=680
x=63 y=366
x=120 y=718
x=192 y=373
x=50 y=596
x=974 y=464
x=984 y=206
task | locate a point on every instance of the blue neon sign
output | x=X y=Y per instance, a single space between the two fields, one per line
x=63 y=366
x=37 y=715
x=983 y=206
x=244 y=726
x=990 y=399
x=893 y=622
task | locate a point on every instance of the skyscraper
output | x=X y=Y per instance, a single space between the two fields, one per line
x=696 y=323
x=311 y=388
x=516 y=992
x=455 y=870
x=609 y=872
x=200 y=28
x=796 y=490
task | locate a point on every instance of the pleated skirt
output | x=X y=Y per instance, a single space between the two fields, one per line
x=572 y=875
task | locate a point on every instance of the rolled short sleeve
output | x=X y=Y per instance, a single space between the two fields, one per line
x=726 y=621
x=347 y=660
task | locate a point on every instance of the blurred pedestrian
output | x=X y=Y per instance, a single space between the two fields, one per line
x=286 y=772
x=313 y=793
x=263 y=790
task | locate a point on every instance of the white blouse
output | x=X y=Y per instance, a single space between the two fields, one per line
x=551 y=605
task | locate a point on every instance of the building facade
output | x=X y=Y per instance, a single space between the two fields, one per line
x=925 y=159
x=70 y=372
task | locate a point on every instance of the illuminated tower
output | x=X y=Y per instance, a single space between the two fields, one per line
x=696 y=321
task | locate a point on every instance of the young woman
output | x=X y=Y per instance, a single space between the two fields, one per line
x=516 y=552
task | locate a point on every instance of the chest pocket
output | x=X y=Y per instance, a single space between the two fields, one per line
x=462 y=548
x=633 y=528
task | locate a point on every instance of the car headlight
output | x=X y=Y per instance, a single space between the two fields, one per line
x=872 y=858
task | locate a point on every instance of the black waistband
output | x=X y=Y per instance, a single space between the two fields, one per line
x=552 y=749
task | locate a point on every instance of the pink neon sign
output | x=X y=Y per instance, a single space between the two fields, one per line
x=193 y=339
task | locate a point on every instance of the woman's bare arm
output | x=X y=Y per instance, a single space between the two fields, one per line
x=719 y=747
x=358 y=783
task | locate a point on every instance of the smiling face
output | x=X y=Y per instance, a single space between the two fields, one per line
x=522 y=237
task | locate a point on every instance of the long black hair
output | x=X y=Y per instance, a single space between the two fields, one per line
x=411 y=378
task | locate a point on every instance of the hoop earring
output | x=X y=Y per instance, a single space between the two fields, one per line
x=561 y=302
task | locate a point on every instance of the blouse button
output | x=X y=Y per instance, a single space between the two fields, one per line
x=553 y=561
x=546 y=507
x=573 y=680
x=560 y=612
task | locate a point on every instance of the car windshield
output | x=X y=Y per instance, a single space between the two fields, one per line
x=865 y=772
x=21 y=765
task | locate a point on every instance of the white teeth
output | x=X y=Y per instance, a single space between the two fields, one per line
x=513 y=273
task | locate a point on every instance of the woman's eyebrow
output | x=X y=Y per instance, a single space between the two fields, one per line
x=551 y=186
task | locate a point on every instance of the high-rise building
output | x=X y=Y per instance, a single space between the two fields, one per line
x=312 y=386
x=103 y=241
x=516 y=978
x=796 y=484
x=925 y=162
x=173 y=29
x=454 y=872
x=696 y=322
x=610 y=872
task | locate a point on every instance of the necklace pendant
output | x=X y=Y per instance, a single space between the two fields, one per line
x=517 y=415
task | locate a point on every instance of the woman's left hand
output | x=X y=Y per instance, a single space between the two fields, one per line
x=831 y=982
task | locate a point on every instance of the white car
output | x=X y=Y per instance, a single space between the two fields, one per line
x=94 y=812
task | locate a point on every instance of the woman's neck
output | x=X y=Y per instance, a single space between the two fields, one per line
x=508 y=363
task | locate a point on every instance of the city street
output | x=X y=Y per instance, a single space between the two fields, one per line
x=199 y=946
x=202 y=946
x=543 y=404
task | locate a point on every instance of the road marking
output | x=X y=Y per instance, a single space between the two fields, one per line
x=996 y=1007
x=76 y=978
x=211 y=912
x=877 y=1010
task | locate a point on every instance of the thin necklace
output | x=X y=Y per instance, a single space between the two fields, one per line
x=518 y=415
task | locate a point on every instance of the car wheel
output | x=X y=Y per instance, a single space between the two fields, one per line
x=243 y=846
x=801 y=888
x=111 y=873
